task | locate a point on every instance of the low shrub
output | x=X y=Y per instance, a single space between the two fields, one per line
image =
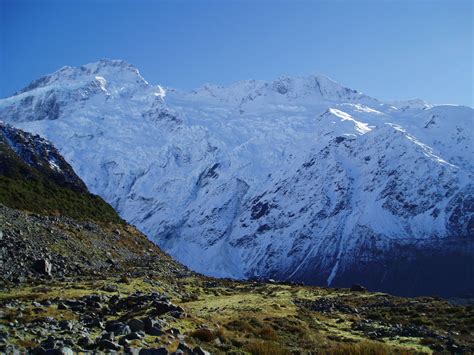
x=266 y=348
x=204 y=334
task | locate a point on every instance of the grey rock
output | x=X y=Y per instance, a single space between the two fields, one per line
x=124 y=341
x=85 y=342
x=164 y=307
x=174 y=331
x=65 y=325
x=134 y=336
x=43 y=266
x=46 y=303
x=61 y=351
x=109 y=345
x=108 y=336
x=200 y=351
x=150 y=322
x=118 y=328
x=158 y=351
x=178 y=314
x=131 y=351
x=185 y=347
x=38 y=351
x=136 y=325
x=155 y=331
x=110 y=288
x=66 y=351
x=96 y=323
x=51 y=343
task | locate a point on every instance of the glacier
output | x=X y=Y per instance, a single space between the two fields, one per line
x=297 y=179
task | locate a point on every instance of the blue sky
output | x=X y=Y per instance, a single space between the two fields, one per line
x=387 y=49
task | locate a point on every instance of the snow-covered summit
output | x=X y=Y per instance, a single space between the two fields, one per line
x=118 y=72
x=415 y=104
x=287 y=89
x=297 y=178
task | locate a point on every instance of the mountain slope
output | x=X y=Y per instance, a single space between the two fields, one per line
x=61 y=224
x=35 y=177
x=389 y=216
x=190 y=169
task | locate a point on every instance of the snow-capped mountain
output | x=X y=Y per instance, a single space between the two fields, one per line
x=297 y=179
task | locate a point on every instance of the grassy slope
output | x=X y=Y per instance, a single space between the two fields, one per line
x=23 y=187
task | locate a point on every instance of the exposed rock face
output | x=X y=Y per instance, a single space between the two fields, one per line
x=299 y=178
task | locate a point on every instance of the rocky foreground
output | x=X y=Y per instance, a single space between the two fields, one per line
x=83 y=286
x=149 y=310
x=74 y=277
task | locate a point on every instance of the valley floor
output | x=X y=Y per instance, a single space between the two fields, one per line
x=147 y=308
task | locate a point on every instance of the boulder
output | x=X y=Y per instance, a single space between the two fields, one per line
x=158 y=351
x=108 y=336
x=200 y=351
x=65 y=325
x=162 y=307
x=136 y=325
x=61 y=351
x=108 y=345
x=118 y=328
x=43 y=266
x=85 y=341
x=134 y=336
x=185 y=348
x=155 y=331
x=110 y=288
x=178 y=314
x=39 y=350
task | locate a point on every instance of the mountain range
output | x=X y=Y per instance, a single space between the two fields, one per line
x=297 y=179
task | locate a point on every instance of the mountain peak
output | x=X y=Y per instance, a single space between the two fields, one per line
x=315 y=87
x=114 y=70
x=309 y=85
x=109 y=65
x=410 y=104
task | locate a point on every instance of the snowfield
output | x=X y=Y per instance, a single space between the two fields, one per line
x=297 y=179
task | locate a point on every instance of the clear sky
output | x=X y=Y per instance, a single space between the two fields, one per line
x=388 y=49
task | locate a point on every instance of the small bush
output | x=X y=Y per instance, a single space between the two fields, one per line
x=204 y=334
x=364 y=348
x=428 y=341
x=267 y=334
x=240 y=325
x=266 y=348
